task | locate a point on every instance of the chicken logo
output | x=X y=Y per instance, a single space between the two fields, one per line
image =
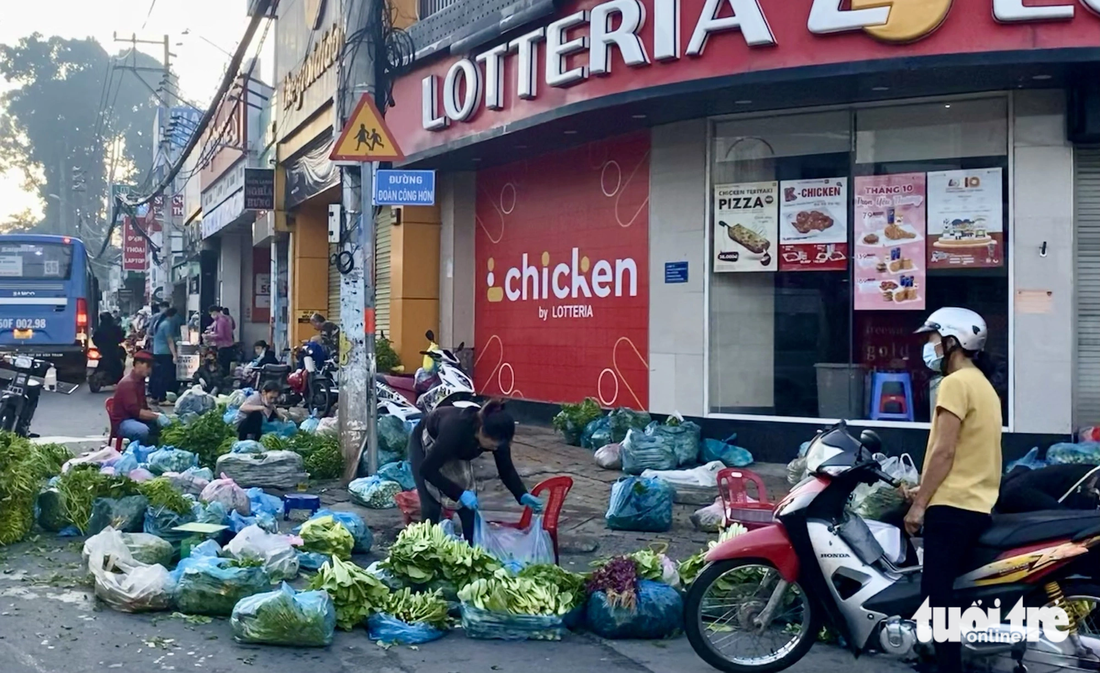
x=495 y=294
x=909 y=20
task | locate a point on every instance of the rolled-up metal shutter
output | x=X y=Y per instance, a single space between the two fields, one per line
x=383 y=230
x=1087 y=236
x=333 y=286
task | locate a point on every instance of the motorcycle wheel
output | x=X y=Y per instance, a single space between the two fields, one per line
x=95 y=383
x=320 y=398
x=707 y=616
x=9 y=416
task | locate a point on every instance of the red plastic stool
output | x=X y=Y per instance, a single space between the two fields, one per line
x=737 y=505
x=559 y=488
x=113 y=439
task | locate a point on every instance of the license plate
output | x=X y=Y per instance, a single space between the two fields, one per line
x=92 y=364
x=23 y=362
x=23 y=333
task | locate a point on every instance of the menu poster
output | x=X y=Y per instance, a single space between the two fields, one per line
x=965 y=219
x=889 y=242
x=746 y=226
x=813 y=225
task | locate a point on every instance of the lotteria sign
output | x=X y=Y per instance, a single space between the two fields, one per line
x=594 y=49
x=562 y=248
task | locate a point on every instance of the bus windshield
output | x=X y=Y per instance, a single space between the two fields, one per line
x=36 y=261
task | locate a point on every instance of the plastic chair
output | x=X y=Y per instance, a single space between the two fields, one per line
x=113 y=439
x=559 y=488
x=891 y=396
x=737 y=505
x=302 y=501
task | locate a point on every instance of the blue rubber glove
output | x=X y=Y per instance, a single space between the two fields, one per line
x=163 y=420
x=531 y=501
x=468 y=500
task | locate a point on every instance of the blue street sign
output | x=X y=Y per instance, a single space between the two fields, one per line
x=404 y=188
x=676 y=272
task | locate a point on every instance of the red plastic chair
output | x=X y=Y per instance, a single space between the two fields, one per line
x=113 y=439
x=737 y=505
x=559 y=488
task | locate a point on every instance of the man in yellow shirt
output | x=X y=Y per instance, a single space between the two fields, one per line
x=962 y=464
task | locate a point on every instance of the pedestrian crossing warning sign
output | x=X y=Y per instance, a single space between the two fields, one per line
x=365 y=137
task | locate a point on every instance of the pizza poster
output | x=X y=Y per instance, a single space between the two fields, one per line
x=813 y=225
x=966 y=219
x=746 y=226
x=889 y=236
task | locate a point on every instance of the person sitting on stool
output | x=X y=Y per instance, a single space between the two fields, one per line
x=130 y=415
x=259 y=407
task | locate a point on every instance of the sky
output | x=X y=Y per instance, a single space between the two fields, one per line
x=198 y=63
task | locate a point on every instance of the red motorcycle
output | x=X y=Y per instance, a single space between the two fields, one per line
x=762 y=600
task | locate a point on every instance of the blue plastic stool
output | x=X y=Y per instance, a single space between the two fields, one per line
x=891 y=396
x=302 y=501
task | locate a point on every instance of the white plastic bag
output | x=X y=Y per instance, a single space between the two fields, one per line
x=610 y=457
x=709 y=519
x=226 y=492
x=531 y=546
x=195 y=401
x=276 y=551
x=890 y=539
x=872 y=502
x=329 y=426
x=121 y=582
x=704 y=476
x=104 y=456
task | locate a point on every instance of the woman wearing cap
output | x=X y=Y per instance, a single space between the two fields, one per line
x=962 y=464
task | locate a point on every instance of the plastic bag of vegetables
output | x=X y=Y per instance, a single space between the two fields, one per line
x=872 y=502
x=640 y=504
x=623 y=419
x=326 y=535
x=641 y=452
x=726 y=451
x=408 y=618
x=148 y=549
x=284 y=617
x=123 y=514
x=279 y=557
x=171 y=460
x=597 y=433
x=213 y=586
x=231 y=496
x=512 y=608
x=355 y=592
x=531 y=545
x=573 y=420
x=374 y=492
x=682 y=435
x=122 y=582
x=1087 y=453
x=657 y=612
x=401 y=472
x=355 y=525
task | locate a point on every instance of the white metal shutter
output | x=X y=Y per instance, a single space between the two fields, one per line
x=1087 y=217
x=383 y=230
x=333 y=286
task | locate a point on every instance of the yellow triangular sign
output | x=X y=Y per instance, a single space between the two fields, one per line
x=365 y=137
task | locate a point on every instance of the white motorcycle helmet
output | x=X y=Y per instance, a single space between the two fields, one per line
x=965 y=325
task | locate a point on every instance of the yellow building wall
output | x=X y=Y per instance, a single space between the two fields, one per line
x=309 y=292
x=414 y=282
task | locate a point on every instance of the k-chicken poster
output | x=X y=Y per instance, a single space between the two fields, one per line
x=562 y=277
x=813 y=225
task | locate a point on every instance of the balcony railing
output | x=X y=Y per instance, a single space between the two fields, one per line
x=428 y=7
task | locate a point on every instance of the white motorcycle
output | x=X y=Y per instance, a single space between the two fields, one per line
x=450 y=386
x=390 y=402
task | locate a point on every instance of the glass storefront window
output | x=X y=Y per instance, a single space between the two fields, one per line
x=834 y=235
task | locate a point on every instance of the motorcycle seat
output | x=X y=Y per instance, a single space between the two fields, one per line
x=1017 y=530
x=276 y=369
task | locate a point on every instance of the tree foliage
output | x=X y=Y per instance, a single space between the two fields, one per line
x=50 y=121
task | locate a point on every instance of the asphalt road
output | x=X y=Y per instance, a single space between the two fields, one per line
x=72 y=417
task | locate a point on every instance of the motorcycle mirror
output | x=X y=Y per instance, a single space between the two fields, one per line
x=871 y=441
x=429 y=335
x=462 y=345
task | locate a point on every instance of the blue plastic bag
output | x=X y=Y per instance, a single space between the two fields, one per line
x=311 y=560
x=248 y=446
x=486 y=625
x=684 y=439
x=141 y=453
x=726 y=451
x=171 y=460
x=640 y=504
x=213 y=513
x=209 y=548
x=641 y=452
x=1031 y=461
x=230 y=415
x=374 y=492
x=211 y=586
x=658 y=613
x=284 y=617
x=400 y=472
x=281 y=428
x=160 y=522
x=264 y=520
x=1085 y=453
x=597 y=433
x=310 y=424
x=386 y=628
x=364 y=538
x=512 y=546
x=127 y=464
x=263 y=502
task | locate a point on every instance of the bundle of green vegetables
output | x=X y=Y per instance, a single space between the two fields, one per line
x=23 y=467
x=418 y=608
x=321 y=454
x=573 y=418
x=355 y=592
x=569 y=585
x=423 y=553
x=208 y=437
x=506 y=594
x=325 y=535
x=80 y=487
x=692 y=566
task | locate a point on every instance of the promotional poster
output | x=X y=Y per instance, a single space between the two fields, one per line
x=966 y=219
x=890 y=260
x=746 y=226
x=813 y=229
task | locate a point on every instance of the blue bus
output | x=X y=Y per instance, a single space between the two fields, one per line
x=48 y=300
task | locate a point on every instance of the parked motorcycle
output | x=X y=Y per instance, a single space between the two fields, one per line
x=392 y=402
x=449 y=386
x=315 y=387
x=759 y=604
x=19 y=397
x=101 y=376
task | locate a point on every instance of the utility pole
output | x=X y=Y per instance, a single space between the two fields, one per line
x=358 y=406
x=165 y=93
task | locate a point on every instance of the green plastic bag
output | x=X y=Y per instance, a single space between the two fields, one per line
x=124 y=514
x=209 y=585
x=622 y=420
x=51 y=514
x=392 y=437
x=284 y=617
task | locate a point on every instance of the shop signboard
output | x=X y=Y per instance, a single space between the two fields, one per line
x=133 y=247
x=966 y=219
x=890 y=262
x=746 y=226
x=562 y=275
x=259 y=189
x=813 y=221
